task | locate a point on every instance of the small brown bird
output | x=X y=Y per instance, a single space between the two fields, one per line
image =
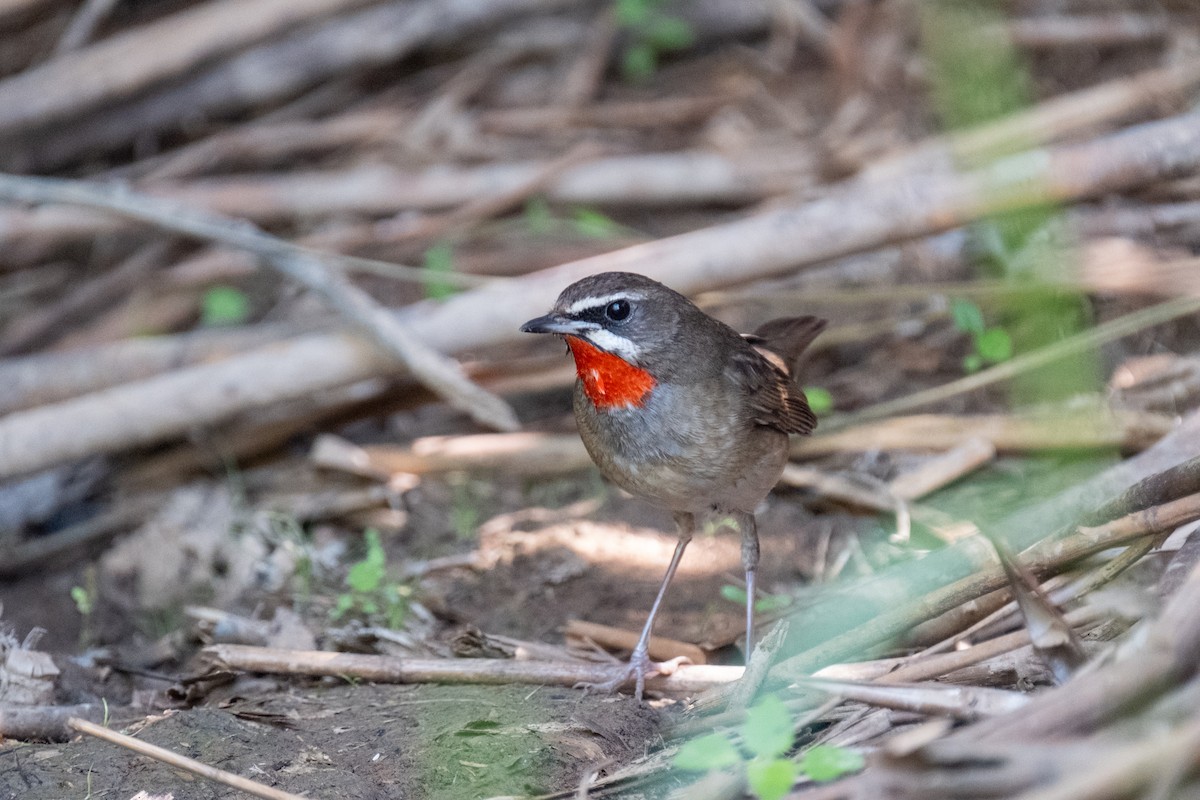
x=678 y=408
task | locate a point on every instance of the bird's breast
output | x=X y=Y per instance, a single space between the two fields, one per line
x=607 y=380
x=685 y=448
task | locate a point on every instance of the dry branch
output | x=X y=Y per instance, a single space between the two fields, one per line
x=671 y=179
x=1048 y=31
x=50 y=377
x=1010 y=433
x=386 y=669
x=1168 y=653
x=661 y=647
x=943 y=469
x=180 y=762
x=438 y=372
x=272 y=72
x=1041 y=559
x=850 y=219
x=1051 y=120
x=523 y=453
x=75 y=83
x=83 y=25
x=43 y=324
x=159 y=408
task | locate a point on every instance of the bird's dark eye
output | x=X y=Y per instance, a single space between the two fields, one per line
x=617 y=310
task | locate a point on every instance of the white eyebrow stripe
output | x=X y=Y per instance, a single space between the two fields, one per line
x=611 y=342
x=598 y=301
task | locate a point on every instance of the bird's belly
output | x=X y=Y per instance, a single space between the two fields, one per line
x=683 y=463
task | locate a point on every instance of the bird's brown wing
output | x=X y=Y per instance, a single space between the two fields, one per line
x=773 y=398
x=765 y=370
x=787 y=337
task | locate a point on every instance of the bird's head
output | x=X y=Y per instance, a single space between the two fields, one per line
x=618 y=325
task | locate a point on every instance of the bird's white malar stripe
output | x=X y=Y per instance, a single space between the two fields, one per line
x=612 y=343
x=599 y=301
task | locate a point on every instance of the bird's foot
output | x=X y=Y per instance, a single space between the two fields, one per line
x=637 y=669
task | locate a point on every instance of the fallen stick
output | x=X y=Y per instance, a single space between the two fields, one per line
x=438 y=372
x=524 y=453
x=1051 y=120
x=1041 y=559
x=488 y=671
x=264 y=75
x=1167 y=653
x=661 y=647
x=48 y=321
x=848 y=220
x=1052 y=31
x=1008 y=433
x=51 y=377
x=943 y=469
x=74 y=83
x=84 y=23
x=181 y=762
x=660 y=179
x=531 y=453
x=1082 y=342
x=930 y=667
x=654 y=179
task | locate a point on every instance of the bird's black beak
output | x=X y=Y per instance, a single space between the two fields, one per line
x=556 y=323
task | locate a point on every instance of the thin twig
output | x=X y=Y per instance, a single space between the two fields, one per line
x=440 y=373
x=1071 y=346
x=90 y=16
x=181 y=762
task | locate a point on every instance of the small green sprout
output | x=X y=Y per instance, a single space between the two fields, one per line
x=371 y=593
x=652 y=32
x=439 y=261
x=766 y=736
x=992 y=345
x=819 y=400
x=771 y=602
x=224 y=305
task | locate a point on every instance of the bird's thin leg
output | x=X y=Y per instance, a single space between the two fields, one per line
x=640 y=664
x=749 y=530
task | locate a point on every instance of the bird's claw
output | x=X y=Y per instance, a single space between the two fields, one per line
x=638 y=668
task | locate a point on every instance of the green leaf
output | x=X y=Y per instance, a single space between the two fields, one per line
x=712 y=751
x=994 y=345
x=632 y=13
x=367 y=575
x=734 y=594
x=538 y=217
x=224 y=305
x=592 y=224
x=772 y=602
x=669 y=33
x=479 y=727
x=638 y=62
x=83 y=601
x=771 y=780
x=827 y=762
x=345 y=602
x=767 y=731
x=819 y=400
x=972 y=363
x=967 y=315
x=439 y=260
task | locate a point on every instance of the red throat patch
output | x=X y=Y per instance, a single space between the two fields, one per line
x=609 y=381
